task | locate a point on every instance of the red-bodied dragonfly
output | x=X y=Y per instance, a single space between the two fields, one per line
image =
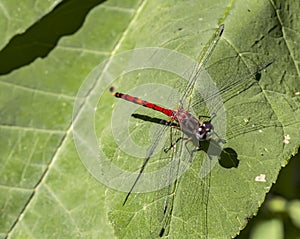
x=193 y=128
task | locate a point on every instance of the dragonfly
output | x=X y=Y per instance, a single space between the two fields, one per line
x=195 y=131
x=192 y=126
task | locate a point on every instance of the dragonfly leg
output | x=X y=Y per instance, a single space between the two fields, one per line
x=191 y=152
x=166 y=150
x=206 y=116
x=220 y=140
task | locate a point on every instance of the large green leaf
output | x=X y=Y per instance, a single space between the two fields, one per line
x=218 y=207
x=45 y=189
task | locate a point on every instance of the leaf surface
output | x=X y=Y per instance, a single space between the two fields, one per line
x=47 y=192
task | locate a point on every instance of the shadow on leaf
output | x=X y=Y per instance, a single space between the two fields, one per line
x=39 y=39
x=228 y=157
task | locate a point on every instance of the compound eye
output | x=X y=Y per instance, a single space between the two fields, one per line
x=201 y=133
x=202 y=130
x=208 y=126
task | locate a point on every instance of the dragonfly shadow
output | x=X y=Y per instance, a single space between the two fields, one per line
x=228 y=158
x=154 y=120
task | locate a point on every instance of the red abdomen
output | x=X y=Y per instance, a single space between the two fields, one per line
x=144 y=103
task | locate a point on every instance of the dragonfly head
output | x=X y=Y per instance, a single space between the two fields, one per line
x=205 y=131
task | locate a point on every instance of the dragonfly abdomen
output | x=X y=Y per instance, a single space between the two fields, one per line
x=144 y=103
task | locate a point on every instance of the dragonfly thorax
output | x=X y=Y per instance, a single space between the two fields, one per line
x=192 y=127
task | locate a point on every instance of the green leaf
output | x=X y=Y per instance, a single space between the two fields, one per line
x=46 y=191
x=258 y=119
